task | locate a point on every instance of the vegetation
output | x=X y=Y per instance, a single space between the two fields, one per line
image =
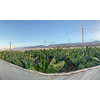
x=55 y=60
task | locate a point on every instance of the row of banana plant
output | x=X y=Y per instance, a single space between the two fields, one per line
x=55 y=60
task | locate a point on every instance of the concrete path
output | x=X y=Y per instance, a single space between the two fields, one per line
x=12 y=72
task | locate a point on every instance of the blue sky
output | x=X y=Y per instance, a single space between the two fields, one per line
x=23 y=32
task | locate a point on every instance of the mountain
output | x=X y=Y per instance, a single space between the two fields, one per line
x=28 y=47
x=94 y=43
x=39 y=46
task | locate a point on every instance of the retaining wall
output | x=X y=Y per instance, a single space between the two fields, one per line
x=9 y=71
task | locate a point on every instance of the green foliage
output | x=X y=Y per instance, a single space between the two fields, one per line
x=54 y=60
x=81 y=66
x=55 y=67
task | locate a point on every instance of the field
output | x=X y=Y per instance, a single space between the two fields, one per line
x=56 y=60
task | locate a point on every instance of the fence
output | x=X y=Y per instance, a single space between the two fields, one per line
x=9 y=71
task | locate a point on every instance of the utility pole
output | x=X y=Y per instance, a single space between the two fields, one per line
x=69 y=41
x=45 y=48
x=45 y=43
x=83 y=41
x=91 y=42
x=10 y=52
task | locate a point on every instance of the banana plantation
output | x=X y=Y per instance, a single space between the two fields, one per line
x=55 y=60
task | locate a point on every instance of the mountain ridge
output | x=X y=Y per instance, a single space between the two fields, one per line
x=94 y=43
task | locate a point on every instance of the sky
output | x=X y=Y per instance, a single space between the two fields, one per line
x=35 y=32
